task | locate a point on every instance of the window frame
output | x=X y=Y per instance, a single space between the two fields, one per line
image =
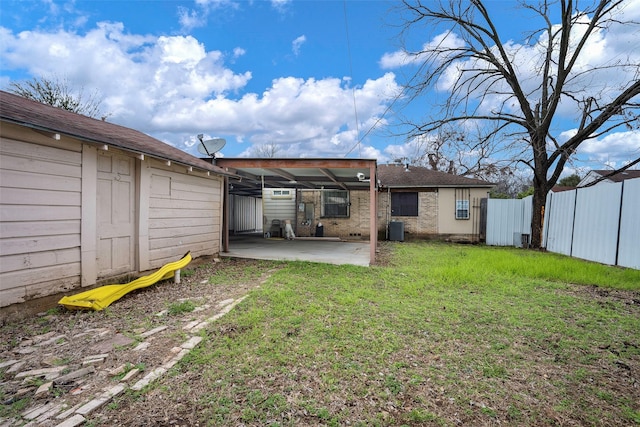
x=344 y=205
x=281 y=193
x=400 y=207
x=462 y=204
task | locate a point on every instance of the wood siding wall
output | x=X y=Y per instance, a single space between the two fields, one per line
x=185 y=213
x=40 y=202
x=49 y=219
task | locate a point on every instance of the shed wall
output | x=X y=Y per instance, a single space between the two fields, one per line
x=185 y=214
x=49 y=213
x=40 y=206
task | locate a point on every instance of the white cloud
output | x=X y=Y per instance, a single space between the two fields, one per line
x=297 y=44
x=173 y=88
x=190 y=19
x=616 y=149
x=280 y=5
x=441 y=43
x=179 y=49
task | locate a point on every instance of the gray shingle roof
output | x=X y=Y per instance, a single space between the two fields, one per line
x=621 y=176
x=35 y=115
x=397 y=176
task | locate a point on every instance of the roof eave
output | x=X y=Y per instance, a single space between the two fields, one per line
x=438 y=186
x=215 y=169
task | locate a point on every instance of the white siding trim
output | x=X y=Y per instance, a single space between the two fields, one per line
x=88 y=225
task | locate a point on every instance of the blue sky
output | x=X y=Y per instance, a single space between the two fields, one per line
x=295 y=74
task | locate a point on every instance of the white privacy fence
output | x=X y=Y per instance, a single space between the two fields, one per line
x=508 y=220
x=599 y=223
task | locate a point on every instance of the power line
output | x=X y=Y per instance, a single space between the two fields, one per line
x=353 y=88
x=418 y=72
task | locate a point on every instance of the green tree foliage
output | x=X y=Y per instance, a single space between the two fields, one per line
x=570 y=181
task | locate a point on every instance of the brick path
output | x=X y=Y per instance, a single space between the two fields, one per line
x=58 y=411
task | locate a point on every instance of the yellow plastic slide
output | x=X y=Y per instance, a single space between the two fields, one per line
x=100 y=298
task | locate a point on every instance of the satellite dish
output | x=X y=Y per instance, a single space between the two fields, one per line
x=211 y=146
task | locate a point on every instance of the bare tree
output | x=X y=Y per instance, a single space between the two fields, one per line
x=455 y=152
x=59 y=93
x=268 y=150
x=516 y=92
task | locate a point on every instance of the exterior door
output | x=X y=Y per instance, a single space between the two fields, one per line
x=116 y=214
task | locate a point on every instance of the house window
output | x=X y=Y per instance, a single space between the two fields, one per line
x=462 y=203
x=335 y=204
x=281 y=194
x=404 y=204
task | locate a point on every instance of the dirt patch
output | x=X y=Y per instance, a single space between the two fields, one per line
x=141 y=331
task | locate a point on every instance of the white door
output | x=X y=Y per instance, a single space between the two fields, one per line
x=116 y=214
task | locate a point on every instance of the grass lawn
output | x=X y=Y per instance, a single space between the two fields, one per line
x=439 y=335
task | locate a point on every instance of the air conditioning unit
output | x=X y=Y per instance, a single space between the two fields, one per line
x=521 y=240
x=396 y=231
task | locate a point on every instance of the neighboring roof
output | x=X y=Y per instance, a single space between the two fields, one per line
x=619 y=177
x=35 y=115
x=401 y=176
x=561 y=188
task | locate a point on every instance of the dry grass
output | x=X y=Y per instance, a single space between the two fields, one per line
x=434 y=335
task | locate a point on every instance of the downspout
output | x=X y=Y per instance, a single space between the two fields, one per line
x=265 y=230
x=388 y=213
x=225 y=216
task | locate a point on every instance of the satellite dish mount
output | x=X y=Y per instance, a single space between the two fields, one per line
x=211 y=146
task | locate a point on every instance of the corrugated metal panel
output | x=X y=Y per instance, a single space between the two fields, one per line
x=247 y=214
x=504 y=218
x=559 y=221
x=628 y=249
x=527 y=215
x=595 y=233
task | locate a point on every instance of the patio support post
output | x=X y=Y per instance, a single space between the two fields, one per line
x=373 y=213
x=225 y=216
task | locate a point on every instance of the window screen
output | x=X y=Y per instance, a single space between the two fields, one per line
x=462 y=203
x=404 y=204
x=335 y=204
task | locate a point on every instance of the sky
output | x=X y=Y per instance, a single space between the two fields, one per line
x=309 y=78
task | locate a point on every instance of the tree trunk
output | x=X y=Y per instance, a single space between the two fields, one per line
x=537 y=217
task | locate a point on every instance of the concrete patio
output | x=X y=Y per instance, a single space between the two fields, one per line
x=326 y=250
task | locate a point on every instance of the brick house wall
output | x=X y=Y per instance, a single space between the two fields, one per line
x=356 y=226
x=423 y=225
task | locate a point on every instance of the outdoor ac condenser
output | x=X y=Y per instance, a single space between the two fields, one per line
x=396 y=231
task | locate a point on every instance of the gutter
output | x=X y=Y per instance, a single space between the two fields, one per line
x=215 y=169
